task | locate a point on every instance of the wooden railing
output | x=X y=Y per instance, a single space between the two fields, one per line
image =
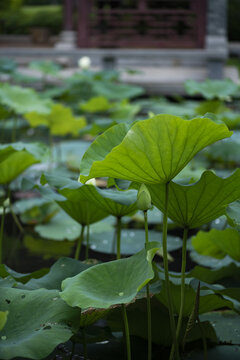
x=152 y=24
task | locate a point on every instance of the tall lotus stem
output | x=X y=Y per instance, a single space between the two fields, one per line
x=127 y=335
x=167 y=282
x=184 y=256
x=149 y=315
x=87 y=242
x=79 y=244
x=119 y=224
x=1 y=234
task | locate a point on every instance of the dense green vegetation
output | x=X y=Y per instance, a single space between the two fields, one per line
x=120 y=218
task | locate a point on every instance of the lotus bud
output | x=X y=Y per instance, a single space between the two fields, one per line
x=144 y=198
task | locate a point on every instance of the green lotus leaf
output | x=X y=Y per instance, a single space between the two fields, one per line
x=96 y=104
x=100 y=147
x=60 y=270
x=209 y=300
x=233 y=214
x=227 y=242
x=114 y=282
x=60 y=227
x=212 y=89
x=197 y=204
x=16 y=157
x=215 y=275
x=38 y=321
x=226 y=324
x=157 y=149
x=47 y=67
x=60 y=120
x=116 y=91
x=22 y=100
x=90 y=201
x=3 y=319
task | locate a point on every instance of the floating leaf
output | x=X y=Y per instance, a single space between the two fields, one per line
x=60 y=227
x=115 y=282
x=221 y=352
x=36 y=324
x=197 y=204
x=156 y=150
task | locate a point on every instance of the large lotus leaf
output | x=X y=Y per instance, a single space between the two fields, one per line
x=16 y=157
x=115 y=282
x=212 y=89
x=60 y=120
x=197 y=204
x=3 y=319
x=157 y=149
x=38 y=321
x=90 y=201
x=22 y=100
x=101 y=146
x=117 y=91
x=220 y=242
x=62 y=269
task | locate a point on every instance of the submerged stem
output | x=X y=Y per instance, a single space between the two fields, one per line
x=127 y=335
x=79 y=243
x=184 y=256
x=1 y=235
x=119 y=225
x=167 y=282
x=149 y=315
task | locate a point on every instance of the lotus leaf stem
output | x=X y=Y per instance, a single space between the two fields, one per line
x=149 y=315
x=184 y=256
x=127 y=335
x=84 y=343
x=79 y=244
x=1 y=234
x=87 y=242
x=167 y=282
x=119 y=225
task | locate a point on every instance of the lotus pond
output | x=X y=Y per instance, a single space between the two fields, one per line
x=120 y=218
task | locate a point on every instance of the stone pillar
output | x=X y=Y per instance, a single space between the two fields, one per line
x=67 y=39
x=216 y=38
